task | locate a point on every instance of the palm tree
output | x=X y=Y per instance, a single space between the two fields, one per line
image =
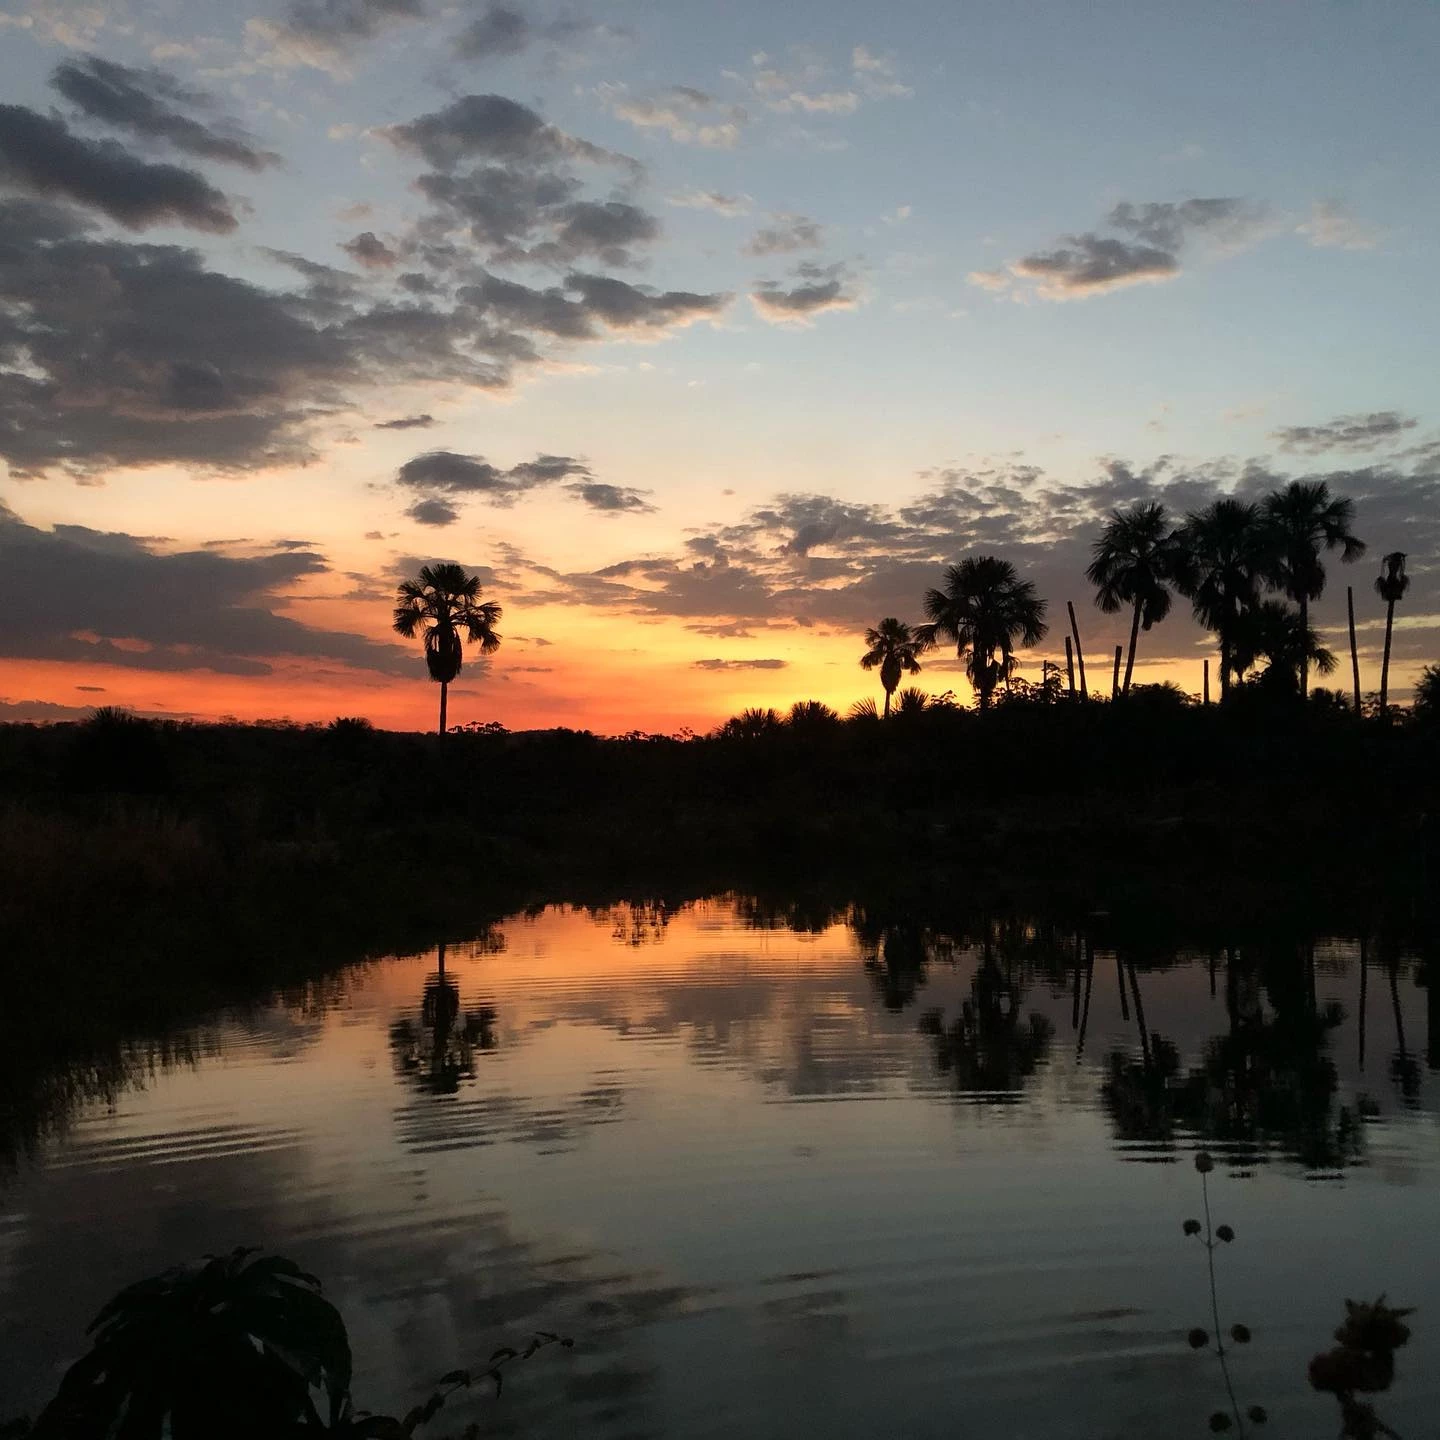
x=985 y=608
x=1304 y=521
x=443 y=606
x=1274 y=632
x=1223 y=560
x=895 y=648
x=1390 y=587
x=1135 y=558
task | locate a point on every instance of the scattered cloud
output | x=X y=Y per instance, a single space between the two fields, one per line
x=406 y=422
x=740 y=664
x=811 y=291
x=1346 y=432
x=322 y=33
x=875 y=75
x=40 y=155
x=730 y=206
x=788 y=234
x=1146 y=251
x=687 y=115
x=1332 y=227
x=612 y=499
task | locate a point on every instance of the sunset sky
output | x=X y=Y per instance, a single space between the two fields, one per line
x=706 y=333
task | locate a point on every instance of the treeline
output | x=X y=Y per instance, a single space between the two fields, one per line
x=1250 y=571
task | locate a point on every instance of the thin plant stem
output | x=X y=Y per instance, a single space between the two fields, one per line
x=1215 y=1306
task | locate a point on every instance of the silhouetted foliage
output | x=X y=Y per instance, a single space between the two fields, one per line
x=234 y=1347
x=896 y=649
x=1137 y=557
x=442 y=605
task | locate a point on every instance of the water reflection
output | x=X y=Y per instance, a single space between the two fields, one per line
x=439 y=1050
x=790 y=1139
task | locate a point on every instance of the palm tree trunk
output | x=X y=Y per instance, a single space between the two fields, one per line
x=1134 y=640
x=1224 y=667
x=444 y=699
x=1385 y=664
x=887 y=704
x=1079 y=653
x=1304 y=646
x=1354 y=653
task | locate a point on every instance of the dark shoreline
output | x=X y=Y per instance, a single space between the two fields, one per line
x=149 y=874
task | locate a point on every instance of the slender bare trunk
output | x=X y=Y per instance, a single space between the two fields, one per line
x=1224 y=667
x=1385 y=663
x=1354 y=652
x=1364 y=985
x=1070 y=665
x=444 y=701
x=887 y=704
x=1134 y=640
x=1206 y=682
x=1304 y=646
x=1115 y=679
x=1079 y=653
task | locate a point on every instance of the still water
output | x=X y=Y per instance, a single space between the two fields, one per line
x=782 y=1175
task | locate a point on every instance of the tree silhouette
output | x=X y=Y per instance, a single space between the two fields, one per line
x=1304 y=521
x=1136 y=557
x=985 y=609
x=1390 y=585
x=443 y=606
x=895 y=648
x=1273 y=632
x=1223 y=560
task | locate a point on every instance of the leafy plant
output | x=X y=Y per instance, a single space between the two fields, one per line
x=231 y=1348
x=1212 y=1236
x=1363 y=1363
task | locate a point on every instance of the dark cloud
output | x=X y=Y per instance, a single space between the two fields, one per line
x=146 y=608
x=584 y=303
x=407 y=422
x=1346 y=432
x=493 y=128
x=499 y=31
x=433 y=511
x=117 y=353
x=789 y=233
x=1169 y=225
x=740 y=664
x=39 y=155
x=1147 y=249
x=812 y=290
x=1090 y=263
x=444 y=475
x=152 y=103
x=612 y=499
x=334 y=24
x=369 y=250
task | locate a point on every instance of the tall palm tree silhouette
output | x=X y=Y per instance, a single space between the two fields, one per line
x=1135 y=559
x=1304 y=521
x=1224 y=558
x=1390 y=586
x=895 y=648
x=443 y=606
x=985 y=609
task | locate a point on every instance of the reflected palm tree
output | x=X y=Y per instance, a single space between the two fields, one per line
x=897 y=952
x=439 y=1052
x=989 y=1048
